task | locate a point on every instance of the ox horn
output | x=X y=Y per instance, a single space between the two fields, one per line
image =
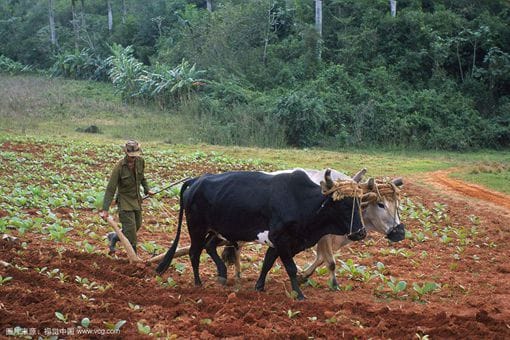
x=369 y=197
x=359 y=175
x=328 y=182
x=398 y=182
x=371 y=184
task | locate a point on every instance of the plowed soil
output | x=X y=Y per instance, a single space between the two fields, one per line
x=472 y=303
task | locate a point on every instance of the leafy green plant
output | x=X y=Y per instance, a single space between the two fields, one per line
x=170 y=282
x=86 y=298
x=41 y=270
x=52 y=273
x=206 y=321
x=392 y=287
x=396 y=287
x=85 y=322
x=124 y=71
x=58 y=232
x=10 y=66
x=61 y=317
x=115 y=326
x=89 y=248
x=292 y=314
x=151 y=247
x=4 y=280
x=133 y=306
x=142 y=328
x=179 y=267
x=425 y=288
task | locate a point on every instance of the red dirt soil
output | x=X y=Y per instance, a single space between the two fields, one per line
x=479 y=192
x=473 y=302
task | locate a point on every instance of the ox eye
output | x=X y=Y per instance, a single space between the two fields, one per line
x=380 y=205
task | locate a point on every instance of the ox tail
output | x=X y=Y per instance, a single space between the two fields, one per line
x=167 y=260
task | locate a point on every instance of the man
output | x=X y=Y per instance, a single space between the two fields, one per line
x=126 y=179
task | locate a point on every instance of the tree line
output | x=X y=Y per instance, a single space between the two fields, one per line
x=429 y=74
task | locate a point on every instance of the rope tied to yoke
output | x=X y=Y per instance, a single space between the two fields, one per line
x=342 y=189
x=380 y=189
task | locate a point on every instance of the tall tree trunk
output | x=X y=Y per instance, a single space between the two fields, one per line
x=82 y=14
x=318 y=17
x=110 y=16
x=460 y=64
x=209 y=5
x=474 y=59
x=393 y=7
x=75 y=23
x=270 y=20
x=124 y=11
x=318 y=26
x=84 y=26
x=53 y=33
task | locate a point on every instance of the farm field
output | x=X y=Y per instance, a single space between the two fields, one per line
x=448 y=279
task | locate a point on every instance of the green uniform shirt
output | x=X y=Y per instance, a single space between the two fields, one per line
x=127 y=185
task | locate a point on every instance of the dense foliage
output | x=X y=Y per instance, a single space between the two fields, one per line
x=437 y=75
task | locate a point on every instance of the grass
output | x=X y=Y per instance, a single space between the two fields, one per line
x=55 y=108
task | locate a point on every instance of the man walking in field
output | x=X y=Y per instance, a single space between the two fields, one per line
x=126 y=179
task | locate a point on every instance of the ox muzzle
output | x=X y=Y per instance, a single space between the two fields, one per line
x=358 y=236
x=398 y=233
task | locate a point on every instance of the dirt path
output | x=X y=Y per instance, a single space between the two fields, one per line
x=441 y=178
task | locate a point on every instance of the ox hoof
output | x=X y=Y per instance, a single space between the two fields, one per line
x=222 y=280
x=259 y=288
x=333 y=285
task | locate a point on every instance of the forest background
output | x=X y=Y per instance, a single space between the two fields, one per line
x=275 y=73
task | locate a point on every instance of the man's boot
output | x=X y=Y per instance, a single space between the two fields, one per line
x=113 y=239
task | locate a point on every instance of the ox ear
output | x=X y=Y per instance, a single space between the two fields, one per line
x=398 y=182
x=328 y=182
x=359 y=175
x=371 y=184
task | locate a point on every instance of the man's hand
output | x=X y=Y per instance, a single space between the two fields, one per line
x=150 y=193
x=103 y=214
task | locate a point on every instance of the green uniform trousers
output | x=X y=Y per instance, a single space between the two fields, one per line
x=131 y=221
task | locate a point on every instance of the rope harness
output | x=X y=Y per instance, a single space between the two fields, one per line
x=342 y=189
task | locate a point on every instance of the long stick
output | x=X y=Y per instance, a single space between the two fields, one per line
x=168 y=187
x=180 y=252
x=125 y=242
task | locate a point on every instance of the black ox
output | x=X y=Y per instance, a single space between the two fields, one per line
x=288 y=212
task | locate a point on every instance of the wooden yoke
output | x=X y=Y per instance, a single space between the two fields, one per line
x=123 y=239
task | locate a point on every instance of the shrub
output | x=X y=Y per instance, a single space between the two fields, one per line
x=10 y=66
x=303 y=116
x=81 y=65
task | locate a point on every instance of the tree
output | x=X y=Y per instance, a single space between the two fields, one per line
x=75 y=23
x=124 y=11
x=110 y=15
x=318 y=26
x=53 y=33
x=393 y=7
